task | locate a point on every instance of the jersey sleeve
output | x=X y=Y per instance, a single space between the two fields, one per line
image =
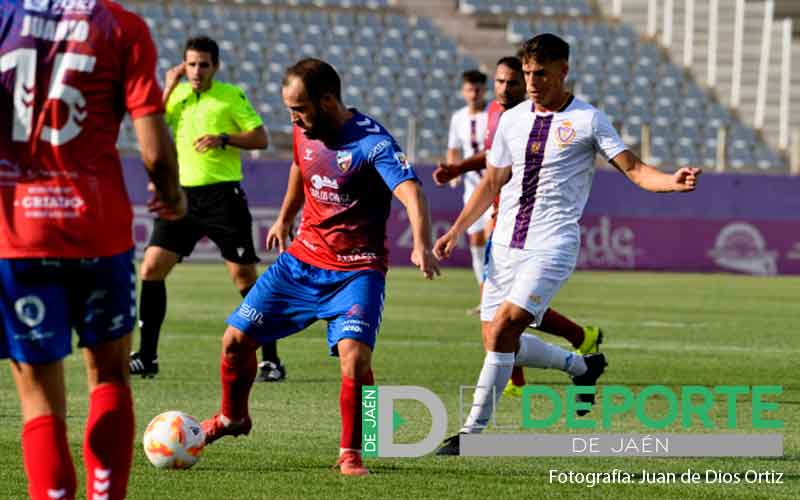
x=142 y=91
x=244 y=114
x=499 y=154
x=453 y=141
x=295 y=156
x=606 y=138
x=390 y=162
x=492 y=118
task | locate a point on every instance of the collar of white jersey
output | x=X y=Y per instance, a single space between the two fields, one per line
x=563 y=107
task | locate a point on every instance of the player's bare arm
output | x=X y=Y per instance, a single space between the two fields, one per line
x=280 y=231
x=651 y=179
x=446 y=171
x=252 y=139
x=453 y=156
x=411 y=196
x=172 y=78
x=161 y=161
x=478 y=203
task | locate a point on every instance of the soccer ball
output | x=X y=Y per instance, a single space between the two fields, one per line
x=173 y=440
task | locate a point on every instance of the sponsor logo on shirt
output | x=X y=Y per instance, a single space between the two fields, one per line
x=356 y=257
x=401 y=159
x=320 y=182
x=51 y=202
x=330 y=195
x=308 y=153
x=377 y=149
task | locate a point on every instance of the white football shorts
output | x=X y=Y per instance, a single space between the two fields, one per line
x=526 y=278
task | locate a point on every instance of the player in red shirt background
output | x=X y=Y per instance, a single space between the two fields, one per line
x=68 y=74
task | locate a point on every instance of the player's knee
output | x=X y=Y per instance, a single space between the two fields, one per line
x=355 y=357
x=116 y=373
x=244 y=276
x=236 y=345
x=156 y=264
x=151 y=271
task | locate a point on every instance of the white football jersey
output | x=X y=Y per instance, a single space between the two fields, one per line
x=551 y=156
x=467 y=132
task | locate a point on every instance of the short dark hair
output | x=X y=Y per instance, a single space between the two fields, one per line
x=474 y=76
x=545 y=48
x=203 y=44
x=512 y=62
x=318 y=77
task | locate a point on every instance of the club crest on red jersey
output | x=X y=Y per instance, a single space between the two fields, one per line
x=344 y=159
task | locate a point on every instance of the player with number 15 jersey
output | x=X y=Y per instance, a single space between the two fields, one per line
x=70 y=71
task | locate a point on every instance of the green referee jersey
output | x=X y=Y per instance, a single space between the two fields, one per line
x=221 y=108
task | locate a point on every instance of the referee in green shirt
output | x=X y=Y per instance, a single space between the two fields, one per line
x=211 y=121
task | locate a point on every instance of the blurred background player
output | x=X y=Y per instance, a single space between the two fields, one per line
x=509 y=90
x=543 y=148
x=346 y=167
x=211 y=121
x=66 y=250
x=464 y=140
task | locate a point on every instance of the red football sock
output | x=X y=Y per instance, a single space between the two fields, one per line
x=517 y=376
x=556 y=324
x=350 y=408
x=237 y=380
x=108 y=444
x=48 y=463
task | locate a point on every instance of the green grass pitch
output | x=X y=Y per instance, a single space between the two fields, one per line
x=669 y=329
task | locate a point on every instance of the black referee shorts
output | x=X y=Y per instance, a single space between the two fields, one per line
x=218 y=211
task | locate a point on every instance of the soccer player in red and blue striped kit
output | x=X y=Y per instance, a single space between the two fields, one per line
x=69 y=71
x=345 y=170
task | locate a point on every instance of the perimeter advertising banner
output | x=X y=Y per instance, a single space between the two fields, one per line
x=733 y=223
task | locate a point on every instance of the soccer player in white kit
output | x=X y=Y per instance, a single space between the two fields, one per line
x=464 y=140
x=541 y=163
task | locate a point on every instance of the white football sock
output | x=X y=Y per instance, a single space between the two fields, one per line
x=478 y=256
x=536 y=353
x=493 y=378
